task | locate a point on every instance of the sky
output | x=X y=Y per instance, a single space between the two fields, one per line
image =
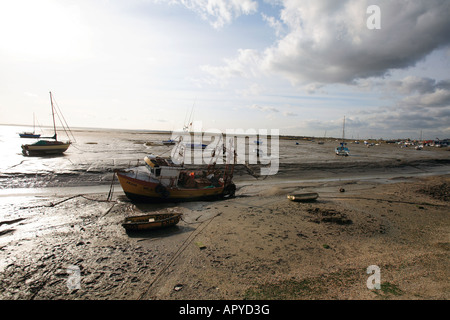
x=299 y=66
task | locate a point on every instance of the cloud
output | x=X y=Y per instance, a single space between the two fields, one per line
x=385 y=123
x=313 y=87
x=219 y=12
x=420 y=92
x=438 y=98
x=413 y=84
x=245 y=65
x=264 y=108
x=289 y=114
x=328 y=41
x=320 y=43
x=274 y=23
x=420 y=103
x=270 y=110
x=254 y=89
x=407 y=122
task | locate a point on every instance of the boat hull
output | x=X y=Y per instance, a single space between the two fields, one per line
x=29 y=135
x=196 y=145
x=303 y=197
x=168 y=142
x=49 y=148
x=151 y=221
x=340 y=151
x=147 y=191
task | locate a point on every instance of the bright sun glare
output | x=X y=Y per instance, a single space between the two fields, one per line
x=41 y=29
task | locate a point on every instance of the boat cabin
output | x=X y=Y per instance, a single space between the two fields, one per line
x=171 y=175
x=163 y=169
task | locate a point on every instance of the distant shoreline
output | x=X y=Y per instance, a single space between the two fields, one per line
x=281 y=137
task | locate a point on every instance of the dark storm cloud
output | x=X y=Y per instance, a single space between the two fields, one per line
x=329 y=41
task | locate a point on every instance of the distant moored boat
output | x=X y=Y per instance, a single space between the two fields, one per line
x=342 y=150
x=30 y=134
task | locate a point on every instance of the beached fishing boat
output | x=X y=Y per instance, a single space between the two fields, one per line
x=44 y=147
x=163 y=180
x=28 y=134
x=303 y=197
x=151 y=221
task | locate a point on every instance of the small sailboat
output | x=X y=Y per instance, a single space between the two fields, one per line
x=30 y=134
x=419 y=146
x=342 y=150
x=44 y=147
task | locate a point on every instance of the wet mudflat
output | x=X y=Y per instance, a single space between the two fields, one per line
x=258 y=245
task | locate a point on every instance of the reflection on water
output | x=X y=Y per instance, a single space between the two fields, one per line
x=95 y=150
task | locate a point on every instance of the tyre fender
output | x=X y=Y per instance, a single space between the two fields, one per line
x=229 y=191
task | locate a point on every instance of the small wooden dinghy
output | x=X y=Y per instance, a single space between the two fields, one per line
x=303 y=197
x=151 y=221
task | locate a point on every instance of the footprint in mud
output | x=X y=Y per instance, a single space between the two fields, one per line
x=329 y=215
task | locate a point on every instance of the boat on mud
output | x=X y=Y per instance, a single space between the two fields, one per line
x=162 y=180
x=168 y=142
x=303 y=197
x=151 y=221
x=196 y=145
x=29 y=134
x=46 y=147
x=342 y=149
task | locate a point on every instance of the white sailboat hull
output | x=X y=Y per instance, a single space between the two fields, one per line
x=49 y=147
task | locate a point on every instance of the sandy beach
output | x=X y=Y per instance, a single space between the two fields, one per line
x=259 y=245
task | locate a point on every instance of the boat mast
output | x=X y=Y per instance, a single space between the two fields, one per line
x=53 y=114
x=187 y=127
x=343 y=131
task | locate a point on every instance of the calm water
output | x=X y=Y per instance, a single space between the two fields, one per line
x=94 y=151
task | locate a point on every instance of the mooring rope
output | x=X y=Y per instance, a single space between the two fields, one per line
x=180 y=250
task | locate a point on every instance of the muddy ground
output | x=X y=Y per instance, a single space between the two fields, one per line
x=258 y=245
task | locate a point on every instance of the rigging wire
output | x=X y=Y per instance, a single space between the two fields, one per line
x=63 y=121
